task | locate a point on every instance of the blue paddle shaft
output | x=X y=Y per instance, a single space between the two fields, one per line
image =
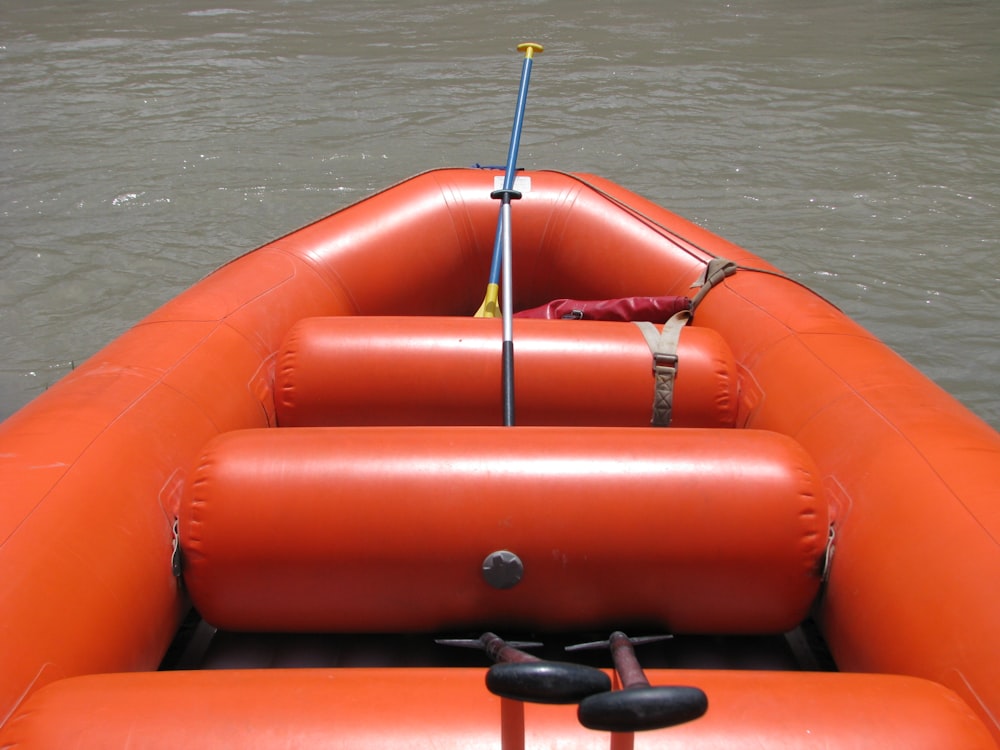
x=511 y=169
x=515 y=133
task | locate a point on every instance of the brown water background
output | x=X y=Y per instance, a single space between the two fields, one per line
x=854 y=144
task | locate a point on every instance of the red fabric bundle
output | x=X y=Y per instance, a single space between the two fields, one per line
x=652 y=309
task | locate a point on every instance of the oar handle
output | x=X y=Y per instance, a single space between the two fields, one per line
x=641 y=708
x=551 y=682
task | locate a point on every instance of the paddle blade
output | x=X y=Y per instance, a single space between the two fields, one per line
x=491 y=305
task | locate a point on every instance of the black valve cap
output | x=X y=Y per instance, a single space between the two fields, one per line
x=641 y=708
x=546 y=681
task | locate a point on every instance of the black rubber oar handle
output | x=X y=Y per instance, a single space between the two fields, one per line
x=640 y=708
x=546 y=681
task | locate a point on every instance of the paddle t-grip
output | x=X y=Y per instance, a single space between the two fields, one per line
x=530 y=48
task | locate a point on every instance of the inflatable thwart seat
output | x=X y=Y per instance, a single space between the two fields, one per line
x=446 y=371
x=387 y=529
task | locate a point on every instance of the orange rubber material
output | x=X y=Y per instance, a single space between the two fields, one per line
x=92 y=471
x=419 y=370
x=452 y=710
x=386 y=529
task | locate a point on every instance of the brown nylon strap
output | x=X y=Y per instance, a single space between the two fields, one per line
x=716 y=270
x=663 y=345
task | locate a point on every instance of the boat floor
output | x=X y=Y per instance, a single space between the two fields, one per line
x=198 y=645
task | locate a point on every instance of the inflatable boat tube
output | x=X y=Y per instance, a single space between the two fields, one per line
x=421 y=370
x=450 y=709
x=389 y=529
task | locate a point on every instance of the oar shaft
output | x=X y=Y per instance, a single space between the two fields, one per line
x=501 y=651
x=511 y=724
x=626 y=664
x=507 y=315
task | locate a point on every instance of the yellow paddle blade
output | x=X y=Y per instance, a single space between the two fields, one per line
x=491 y=306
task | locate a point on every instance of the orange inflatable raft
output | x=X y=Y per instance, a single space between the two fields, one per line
x=265 y=515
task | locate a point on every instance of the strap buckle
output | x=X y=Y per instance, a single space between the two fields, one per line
x=665 y=361
x=663 y=346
